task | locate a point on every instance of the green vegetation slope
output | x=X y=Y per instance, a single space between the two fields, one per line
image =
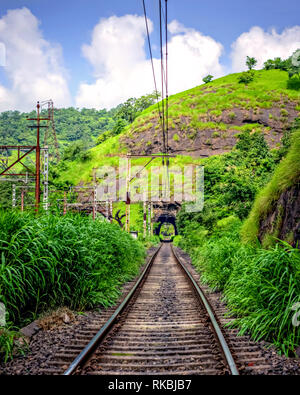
x=276 y=210
x=260 y=281
x=203 y=121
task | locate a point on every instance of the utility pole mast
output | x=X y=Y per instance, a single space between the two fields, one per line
x=145 y=218
x=127 y=228
x=46 y=175
x=14 y=196
x=38 y=158
x=38 y=119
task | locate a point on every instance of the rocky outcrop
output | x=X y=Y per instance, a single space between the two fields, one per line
x=283 y=221
x=184 y=139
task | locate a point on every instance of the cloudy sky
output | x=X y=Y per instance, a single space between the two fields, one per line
x=93 y=53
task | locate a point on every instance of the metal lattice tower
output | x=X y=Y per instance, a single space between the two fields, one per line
x=51 y=127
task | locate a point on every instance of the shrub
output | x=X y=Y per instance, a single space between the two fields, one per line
x=232 y=115
x=228 y=224
x=277 y=63
x=177 y=240
x=176 y=137
x=246 y=77
x=208 y=78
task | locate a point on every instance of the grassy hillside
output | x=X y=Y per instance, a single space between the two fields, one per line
x=206 y=119
x=203 y=121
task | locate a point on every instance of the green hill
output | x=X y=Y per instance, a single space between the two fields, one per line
x=203 y=121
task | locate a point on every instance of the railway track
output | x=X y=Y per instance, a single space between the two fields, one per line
x=163 y=329
x=164 y=326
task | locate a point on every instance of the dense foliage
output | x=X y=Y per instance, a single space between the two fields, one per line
x=287 y=174
x=232 y=181
x=74 y=125
x=62 y=261
x=260 y=286
x=71 y=125
x=5 y=195
x=291 y=64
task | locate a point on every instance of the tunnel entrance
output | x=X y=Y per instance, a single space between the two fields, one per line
x=166 y=219
x=167 y=232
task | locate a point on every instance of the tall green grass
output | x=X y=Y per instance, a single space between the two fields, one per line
x=261 y=290
x=10 y=343
x=62 y=261
x=260 y=286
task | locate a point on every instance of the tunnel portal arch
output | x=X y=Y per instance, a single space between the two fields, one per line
x=166 y=218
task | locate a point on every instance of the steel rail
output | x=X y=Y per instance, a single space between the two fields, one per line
x=86 y=352
x=226 y=351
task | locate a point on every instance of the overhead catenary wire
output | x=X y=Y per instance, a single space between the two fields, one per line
x=162 y=76
x=163 y=111
x=167 y=95
x=151 y=57
x=166 y=76
x=164 y=72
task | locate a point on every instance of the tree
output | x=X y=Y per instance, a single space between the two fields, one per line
x=208 y=78
x=133 y=107
x=146 y=101
x=251 y=62
x=294 y=68
x=120 y=125
x=277 y=64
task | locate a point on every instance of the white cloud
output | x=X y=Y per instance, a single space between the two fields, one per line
x=263 y=46
x=176 y=27
x=191 y=57
x=2 y=54
x=33 y=66
x=122 y=70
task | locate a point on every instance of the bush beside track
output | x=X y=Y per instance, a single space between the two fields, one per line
x=261 y=286
x=54 y=261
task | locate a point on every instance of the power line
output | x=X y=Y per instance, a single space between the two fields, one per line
x=162 y=76
x=164 y=16
x=150 y=51
x=164 y=110
x=166 y=72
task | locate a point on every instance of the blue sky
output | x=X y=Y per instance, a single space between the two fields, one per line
x=71 y=24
